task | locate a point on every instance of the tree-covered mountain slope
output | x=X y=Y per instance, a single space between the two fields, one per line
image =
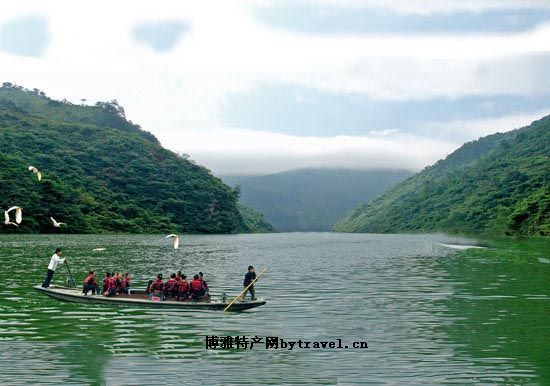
x=101 y=173
x=255 y=220
x=499 y=184
x=312 y=199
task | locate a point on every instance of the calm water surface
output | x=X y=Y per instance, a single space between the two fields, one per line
x=430 y=315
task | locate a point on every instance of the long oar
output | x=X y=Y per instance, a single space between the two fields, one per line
x=70 y=274
x=245 y=288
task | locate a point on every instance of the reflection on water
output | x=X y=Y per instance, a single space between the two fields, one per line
x=429 y=314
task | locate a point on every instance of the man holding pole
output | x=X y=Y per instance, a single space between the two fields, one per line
x=56 y=259
x=249 y=278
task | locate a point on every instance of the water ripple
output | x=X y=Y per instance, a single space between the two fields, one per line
x=430 y=315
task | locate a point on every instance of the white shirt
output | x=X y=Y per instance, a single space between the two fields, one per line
x=56 y=259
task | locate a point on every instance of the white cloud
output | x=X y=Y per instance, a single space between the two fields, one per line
x=178 y=95
x=240 y=151
x=474 y=128
x=383 y=133
x=424 y=7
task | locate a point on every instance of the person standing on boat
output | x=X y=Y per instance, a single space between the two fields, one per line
x=249 y=278
x=56 y=259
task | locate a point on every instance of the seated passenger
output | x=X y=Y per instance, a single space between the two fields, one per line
x=90 y=284
x=125 y=284
x=118 y=282
x=158 y=287
x=106 y=281
x=204 y=284
x=149 y=289
x=170 y=287
x=111 y=286
x=183 y=288
x=197 y=289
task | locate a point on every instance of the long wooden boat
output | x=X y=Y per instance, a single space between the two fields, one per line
x=139 y=298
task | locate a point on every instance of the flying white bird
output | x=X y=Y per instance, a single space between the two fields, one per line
x=36 y=171
x=7 y=219
x=57 y=224
x=18 y=216
x=98 y=249
x=175 y=240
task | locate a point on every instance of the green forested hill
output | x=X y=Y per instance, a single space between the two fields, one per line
x=101 y=173
x=255 y=220
x=499 y=184
x=312 y=199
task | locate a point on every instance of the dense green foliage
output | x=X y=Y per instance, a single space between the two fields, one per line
x=499 y=184
x=255 y=220
x=312 y=199
x=101 y=173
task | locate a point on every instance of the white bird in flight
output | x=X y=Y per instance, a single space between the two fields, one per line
x=57 y=224
x=36 y=171
x=175 y=240
x=18 y=216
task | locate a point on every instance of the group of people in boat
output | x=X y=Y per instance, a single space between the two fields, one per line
x=113 y=284
x=178 y=288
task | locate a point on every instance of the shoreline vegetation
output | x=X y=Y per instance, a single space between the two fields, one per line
x=102 y=173
x=496 y=185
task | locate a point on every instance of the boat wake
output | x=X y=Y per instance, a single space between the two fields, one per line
x=461 y=247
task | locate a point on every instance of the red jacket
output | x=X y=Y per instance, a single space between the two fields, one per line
x=183 y=286
x=170 y=285
x=196 y=285
x=111 y=284
x=158 y=285
x=90 y=279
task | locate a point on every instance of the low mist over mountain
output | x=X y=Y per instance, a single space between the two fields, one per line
x=312 y=199
x=499 y=184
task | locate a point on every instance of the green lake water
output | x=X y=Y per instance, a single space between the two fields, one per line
x=430 y=314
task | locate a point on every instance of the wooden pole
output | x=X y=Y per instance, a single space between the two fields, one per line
x=70 y=274
x=247 y=287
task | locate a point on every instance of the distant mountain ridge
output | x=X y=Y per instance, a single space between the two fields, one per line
x=499 y=184
x=102 y=173
x=312 y=199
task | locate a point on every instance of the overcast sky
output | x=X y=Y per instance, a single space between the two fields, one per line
x=264 y=86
